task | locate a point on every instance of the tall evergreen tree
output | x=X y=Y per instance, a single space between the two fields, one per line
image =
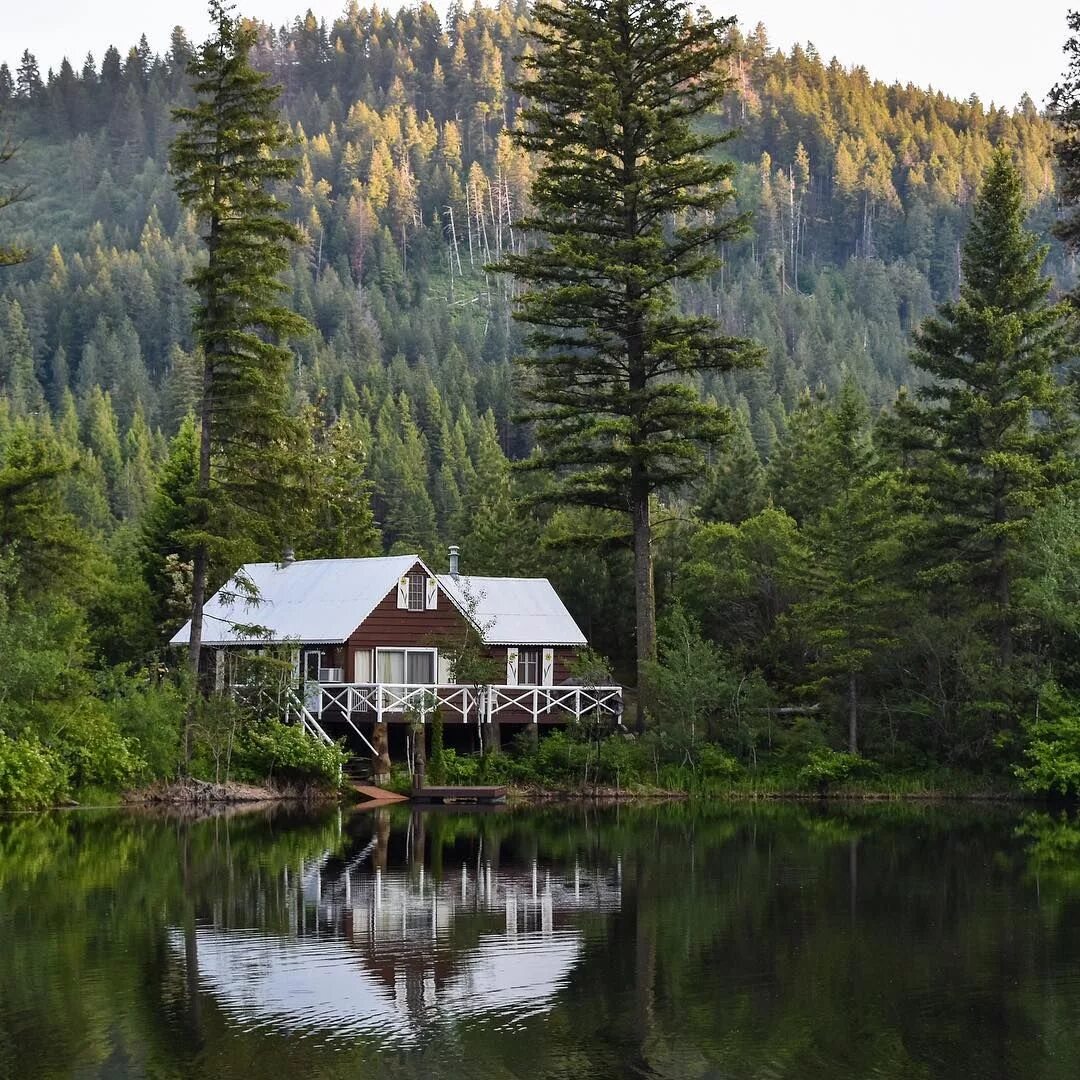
x=994 y=432
x=226 y=156
x=615 y=88
x=852 y=608
x=1065 y=110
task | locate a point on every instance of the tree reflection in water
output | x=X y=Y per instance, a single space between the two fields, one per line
x=672 y=941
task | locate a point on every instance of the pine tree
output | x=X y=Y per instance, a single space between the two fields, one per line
x=734 y=486
x=614 y=89
x=993 y=434
x=851 y=613
x=1065 y=111
x=10 y=254
x=165 y=548
x=227 y=154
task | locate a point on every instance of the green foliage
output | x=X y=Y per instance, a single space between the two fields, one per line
x=1052 y=747
x=32 y=776
x=612 y=92
x=149 y=714
x=225 y=158
x=994 y=433
x=693 y=683
x=286 y=753
x=825 y=768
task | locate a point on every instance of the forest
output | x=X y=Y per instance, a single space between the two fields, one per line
x=875 y=576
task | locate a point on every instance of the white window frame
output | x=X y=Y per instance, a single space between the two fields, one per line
x=417 y=592
x=406 y=649
x=529 y=656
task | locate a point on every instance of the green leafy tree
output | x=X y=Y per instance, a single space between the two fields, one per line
x=614 y=91
x=226 y=156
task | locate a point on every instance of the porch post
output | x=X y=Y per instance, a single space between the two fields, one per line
x=380 y=760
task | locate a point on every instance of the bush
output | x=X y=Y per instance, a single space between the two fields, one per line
x=151 y=717
x=459 y=768
x=714 y=764
x=31 y=775
x=95 y=749
x=285 y=751
x=825 y=767
x=1053 y=755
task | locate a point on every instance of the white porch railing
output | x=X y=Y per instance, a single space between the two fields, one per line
x=466 y=703
x=296 y=709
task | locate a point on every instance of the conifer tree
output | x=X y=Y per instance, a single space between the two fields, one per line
x=226 y=157
x=615 y=88
x=993 y=434
x=851 y=612
x=1065 y=110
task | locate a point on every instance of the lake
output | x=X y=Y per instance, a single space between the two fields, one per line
x=766 y=941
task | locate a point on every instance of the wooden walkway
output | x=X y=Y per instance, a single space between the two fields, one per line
x=376 y=796
x=485 y=795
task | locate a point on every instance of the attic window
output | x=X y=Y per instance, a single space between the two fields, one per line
x=417 y=592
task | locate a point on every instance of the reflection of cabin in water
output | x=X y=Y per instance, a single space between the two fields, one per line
x=372 y=642
x=376 y=949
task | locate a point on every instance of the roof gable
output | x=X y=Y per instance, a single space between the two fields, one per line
x=314 y=600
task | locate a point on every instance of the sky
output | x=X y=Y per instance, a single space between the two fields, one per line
x=995 y=50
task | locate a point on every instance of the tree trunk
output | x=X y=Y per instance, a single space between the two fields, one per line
x=853 y=713
x=380 y=761
x=645 y=601
x=201 y=567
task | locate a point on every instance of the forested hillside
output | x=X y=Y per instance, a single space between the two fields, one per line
x=859 y=196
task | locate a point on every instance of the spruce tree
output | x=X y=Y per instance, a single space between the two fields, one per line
x=1065 y=111
x=851 y=613
x=226 y=157
x=627 y=204
x=992 y=435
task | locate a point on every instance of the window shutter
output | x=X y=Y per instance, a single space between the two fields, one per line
x=219 y=669
x=511 y=667
x=548 y=674
x=432 y=594
x=295 y=657
x=403 y=593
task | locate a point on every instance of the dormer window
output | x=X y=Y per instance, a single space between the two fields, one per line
x=417 y=592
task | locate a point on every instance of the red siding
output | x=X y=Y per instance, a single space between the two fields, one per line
x=564 y=656
x=388 y=625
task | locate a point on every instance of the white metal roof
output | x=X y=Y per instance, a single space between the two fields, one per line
x=515 y=611
x=314 y=600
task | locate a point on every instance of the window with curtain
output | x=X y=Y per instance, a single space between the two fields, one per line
x=406 y=666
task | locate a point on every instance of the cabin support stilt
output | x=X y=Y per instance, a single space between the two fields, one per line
x=380 y=761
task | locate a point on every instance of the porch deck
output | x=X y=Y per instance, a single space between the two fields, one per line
x=402 y=703
x=483 y=795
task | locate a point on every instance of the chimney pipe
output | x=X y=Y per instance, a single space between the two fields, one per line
x=455 y=552
x=288 y=557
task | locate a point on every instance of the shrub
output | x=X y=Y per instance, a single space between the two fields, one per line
x=151 y=716
x=714 y=764
x=32 y=776
x=825 y=767
x=1053 y=756
x=272 y=749
x=95 y=749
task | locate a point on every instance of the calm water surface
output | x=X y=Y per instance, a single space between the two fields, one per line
x=769 y=942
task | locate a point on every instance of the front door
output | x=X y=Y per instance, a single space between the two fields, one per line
x=312 y=690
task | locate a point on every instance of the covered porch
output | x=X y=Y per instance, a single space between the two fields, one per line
x=382 y=702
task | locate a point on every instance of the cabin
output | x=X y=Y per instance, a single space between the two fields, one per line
x=372 y=643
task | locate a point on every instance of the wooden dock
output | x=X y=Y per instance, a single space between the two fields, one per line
x=376 y=796
x=487 y=796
